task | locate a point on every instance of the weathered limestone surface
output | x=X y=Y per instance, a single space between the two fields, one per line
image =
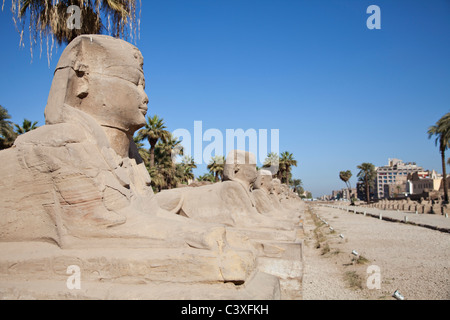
x=76 y=192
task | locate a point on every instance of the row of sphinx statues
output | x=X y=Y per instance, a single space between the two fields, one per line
x=422 y=206
x=76 y=192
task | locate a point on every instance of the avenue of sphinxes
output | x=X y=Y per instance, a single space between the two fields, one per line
x=76 y=194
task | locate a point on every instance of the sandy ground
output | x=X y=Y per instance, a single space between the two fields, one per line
x=411 y=259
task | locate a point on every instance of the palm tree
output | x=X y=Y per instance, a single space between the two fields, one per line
x=164 y=162
x=367 y=174
x=184 y=173
x=26 y=126
x=297 y=184
x=442 y=132
x=7 y=134
x=272 y=161
x=153 y=131
x=189 y=162
x=207 y=177
x=167 y=149
x=345 y=176
x=286 y=162
x=185 y=168
x=158 y=178
x=216 y=166
x=46 y=18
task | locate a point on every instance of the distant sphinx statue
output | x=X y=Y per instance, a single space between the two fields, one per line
x=275 y=199
x=262 y=189
x=277 y=193
x=230 y=202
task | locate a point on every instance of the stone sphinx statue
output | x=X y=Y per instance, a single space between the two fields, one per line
x=240 y=203
x=262 y=189
x=78 y=183
x=277 y=194
x=229 y=202
x=80 y=175
x=273 y=200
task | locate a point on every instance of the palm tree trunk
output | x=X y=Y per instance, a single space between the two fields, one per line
x=367 y=190
x=152 y=156
x=444 y=176
x=349 y=187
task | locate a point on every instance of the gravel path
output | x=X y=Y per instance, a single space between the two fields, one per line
x=411 y=259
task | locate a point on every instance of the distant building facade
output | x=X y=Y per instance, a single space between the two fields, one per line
x=348 y=194
x=336 y=194
x=425 y=181
x=344 y=194
x=392 y=179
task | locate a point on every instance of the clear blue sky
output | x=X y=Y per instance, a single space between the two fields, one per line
x=339 y=93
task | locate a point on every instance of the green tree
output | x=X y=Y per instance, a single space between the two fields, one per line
x=26 y=126
x=216 y=167
x=345 y=176
x=153 y=131
x=297 y=183
x=286 y=162
x=272 y=161
x=367 y=174
x=166 y=150
x=184 y=169
x=184 y=173
x=46 y=18
x=158 y=176
x=441 y=130
x=165 y=153
x=207 y=177
x=7 y=134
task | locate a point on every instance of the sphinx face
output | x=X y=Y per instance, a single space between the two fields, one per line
x=266 y=183
x=240 y=165
x=248 y=173
x=276 y=186
x=105 y=79
x=264 y=180
x=120 y=100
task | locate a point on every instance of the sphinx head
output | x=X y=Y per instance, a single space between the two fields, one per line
x=103 y=77
x=240 y=166
x=276 y=184
x=264 y=180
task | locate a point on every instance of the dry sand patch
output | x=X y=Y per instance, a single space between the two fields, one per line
x=412 y=259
